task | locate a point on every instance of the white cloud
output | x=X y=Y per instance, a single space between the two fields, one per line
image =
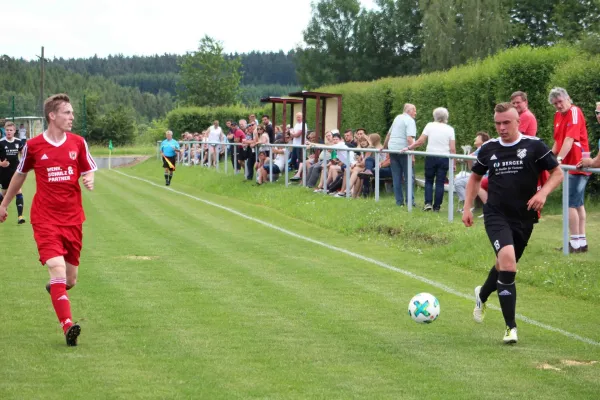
x=69 y=28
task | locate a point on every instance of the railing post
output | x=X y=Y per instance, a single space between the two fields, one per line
x=189 y=153
x=347 y=170
x=216 y=157
x=285 y=155
x=304 y=166
x=225 y=159
x=565 y=212
x=376 y=176
x=271 y=164
x=450 y=190
x=325 y=175
x=235 y=163
x=409 y=181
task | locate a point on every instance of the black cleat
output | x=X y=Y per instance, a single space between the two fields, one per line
x=72 y=334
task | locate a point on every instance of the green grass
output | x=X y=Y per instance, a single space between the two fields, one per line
x=184 y=300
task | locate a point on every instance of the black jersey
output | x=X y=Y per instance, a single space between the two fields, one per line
x=10 y=151
x=513 y=171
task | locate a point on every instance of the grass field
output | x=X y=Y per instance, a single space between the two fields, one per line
x=184 y=299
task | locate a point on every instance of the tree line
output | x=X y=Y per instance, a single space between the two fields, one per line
x=346 y=42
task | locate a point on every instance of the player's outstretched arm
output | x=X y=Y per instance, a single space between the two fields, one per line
x=539 y=199
x=471 y=191
x=16 y=183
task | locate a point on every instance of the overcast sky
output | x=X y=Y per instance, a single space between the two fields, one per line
x=69 y=28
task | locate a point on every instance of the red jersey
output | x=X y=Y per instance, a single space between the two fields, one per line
x=57 y=167
x=527 y=123
x=571 y=124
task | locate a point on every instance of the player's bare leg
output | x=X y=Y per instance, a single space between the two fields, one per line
x=57 y=268
x=507 y=290
x=583 y=247
x=574 y=224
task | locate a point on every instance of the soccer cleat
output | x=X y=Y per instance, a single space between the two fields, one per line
x=480 y=307
x=72 y=334
x=510 y=336
x=21 y=220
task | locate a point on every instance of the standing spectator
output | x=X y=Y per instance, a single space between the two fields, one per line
x=268 y=128
x=570 y=141
x=296 y=135
x=22 y=132
x=588 y=162
x=215 y=134
x=442 y=141
x=527 y=121
x=401 y=134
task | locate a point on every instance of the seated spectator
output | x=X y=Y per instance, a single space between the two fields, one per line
x=385 y=170
x=314 y=172
x=349 y=139
x=278 y=163
x=358 y=165
x=460 y=183
x=278 y=133
x=311 y=154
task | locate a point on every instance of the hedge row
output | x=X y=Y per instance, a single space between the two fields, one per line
x=197 y=119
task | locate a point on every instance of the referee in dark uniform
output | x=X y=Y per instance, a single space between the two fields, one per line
x=513 y=163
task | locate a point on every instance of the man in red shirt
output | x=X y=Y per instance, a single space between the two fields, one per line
x=58 y=158
x=527 y=121
x=570 y=142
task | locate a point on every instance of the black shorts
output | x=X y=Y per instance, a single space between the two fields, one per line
x=503 y=231
x=172 y=159
x=5 y=177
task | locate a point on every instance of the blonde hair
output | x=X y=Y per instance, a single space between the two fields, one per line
x=53 y=102
x=10 y=123
x=375 y=140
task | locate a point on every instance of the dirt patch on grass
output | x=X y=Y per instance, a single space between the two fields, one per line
x=135 y=161
x=401 y=232
x=548 y=367
x=141 y=258
x=575 y=363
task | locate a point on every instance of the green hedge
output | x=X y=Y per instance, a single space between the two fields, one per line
x=197 y=119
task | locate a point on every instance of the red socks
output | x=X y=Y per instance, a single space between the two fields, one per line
x=60 y=301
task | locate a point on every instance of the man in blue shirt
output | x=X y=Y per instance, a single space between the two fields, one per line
x=168 y=150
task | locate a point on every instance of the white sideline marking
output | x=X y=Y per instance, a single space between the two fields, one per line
x=438 y=285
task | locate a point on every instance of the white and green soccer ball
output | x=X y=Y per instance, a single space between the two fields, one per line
x=424 y=308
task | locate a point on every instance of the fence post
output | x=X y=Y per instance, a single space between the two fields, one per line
x=565 y=212
x=409 y=181
x=304 y=166
x=226 y=159
x=285 y=154
x=325 y=175
x=376 y=176
x=216 y=158
x=347 y=170
x=271 y=164
x=235 y=163
x=450 y=190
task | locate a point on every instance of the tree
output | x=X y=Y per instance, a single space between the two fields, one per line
x=207 y=78
x=117 y=125
x=330 y=48
x=456 y=31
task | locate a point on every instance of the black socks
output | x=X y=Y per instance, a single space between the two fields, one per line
x=507 y=294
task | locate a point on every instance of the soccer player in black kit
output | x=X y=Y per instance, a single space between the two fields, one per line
x=513 y=163
x=10 y=147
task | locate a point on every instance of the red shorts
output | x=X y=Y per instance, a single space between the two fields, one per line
x=56 y=241
x=484 y=183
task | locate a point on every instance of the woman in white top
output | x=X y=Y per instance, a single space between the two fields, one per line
x=215 y=134
x=278 y=164
x=440 y=139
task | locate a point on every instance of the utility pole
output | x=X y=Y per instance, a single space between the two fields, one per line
x=42 y=60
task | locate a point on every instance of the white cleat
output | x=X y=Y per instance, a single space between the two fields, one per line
x=510 y=336
x=479 y=310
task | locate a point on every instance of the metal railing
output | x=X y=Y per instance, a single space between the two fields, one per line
x=409 y=175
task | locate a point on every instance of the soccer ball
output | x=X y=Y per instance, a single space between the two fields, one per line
x=424 y=308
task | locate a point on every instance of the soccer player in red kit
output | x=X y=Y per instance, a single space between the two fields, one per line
x=58 y=158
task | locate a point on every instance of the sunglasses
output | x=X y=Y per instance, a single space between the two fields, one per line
x=597 y=112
